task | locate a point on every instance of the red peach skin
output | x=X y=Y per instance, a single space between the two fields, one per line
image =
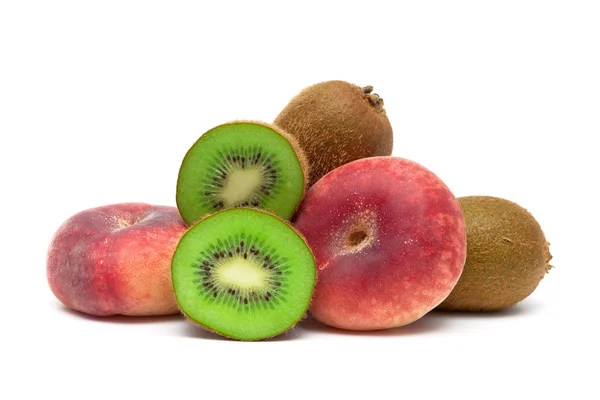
x=116 y=259
x=389 y=239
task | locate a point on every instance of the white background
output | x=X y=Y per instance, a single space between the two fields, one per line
x=99 y=101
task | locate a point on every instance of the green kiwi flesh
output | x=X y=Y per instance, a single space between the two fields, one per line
x=243 y=273
x=241 y=164
x=507 y=256
x=336 y=122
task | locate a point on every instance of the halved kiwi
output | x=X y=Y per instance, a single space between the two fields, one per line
x=241 y=164
x=243 y=273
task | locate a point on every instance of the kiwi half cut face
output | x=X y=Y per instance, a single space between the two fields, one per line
x=243 y=273
x=241 y=164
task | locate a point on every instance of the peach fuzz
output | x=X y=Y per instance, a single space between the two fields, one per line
x=116 y=259
x=389 y=239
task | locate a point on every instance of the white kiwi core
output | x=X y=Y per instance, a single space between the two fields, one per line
x=240 y=185
x=243 y=274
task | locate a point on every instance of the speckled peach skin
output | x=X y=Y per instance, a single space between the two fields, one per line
x=116 y=259
x=389 y=239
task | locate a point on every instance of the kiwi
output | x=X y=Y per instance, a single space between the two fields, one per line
x=336 y=122
x=507 y=256
x=243 y=273
x=241 y=164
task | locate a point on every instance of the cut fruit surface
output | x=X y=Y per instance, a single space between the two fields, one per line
x=243 y=273
x=241 y=164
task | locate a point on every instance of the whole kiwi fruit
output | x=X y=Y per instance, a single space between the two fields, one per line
x=336 y=122
x=507 y=256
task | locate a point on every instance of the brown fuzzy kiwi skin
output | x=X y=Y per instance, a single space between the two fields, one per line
x=300 y=154
x=507 y=256
x=304 y=164
x=304 y=314
x=336 y=122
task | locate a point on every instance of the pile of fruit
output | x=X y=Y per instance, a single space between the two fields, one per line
x=310 y=212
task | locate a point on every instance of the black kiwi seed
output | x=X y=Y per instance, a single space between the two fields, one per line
x=235 y=162
x=229 y=250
